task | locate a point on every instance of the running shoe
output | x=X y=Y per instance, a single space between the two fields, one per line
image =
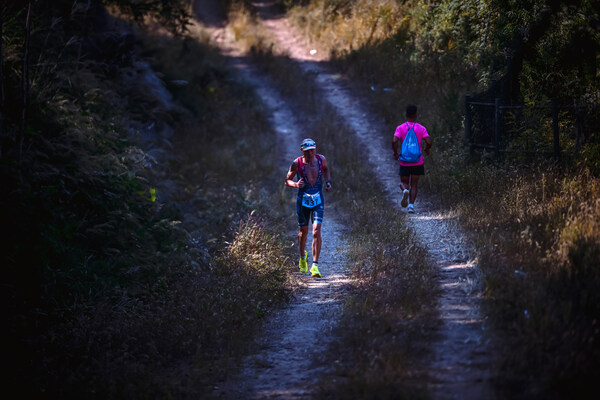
x=314 y=271
x=302 y=264
x=404 y=201
x=411 y=208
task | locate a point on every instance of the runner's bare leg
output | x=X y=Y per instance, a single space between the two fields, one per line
x=414 y=181
x=405 y=182
x=302 y=236
x=316 y=244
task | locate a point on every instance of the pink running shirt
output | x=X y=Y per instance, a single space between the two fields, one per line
x=421 y=133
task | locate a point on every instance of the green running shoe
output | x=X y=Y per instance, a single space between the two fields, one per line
x=314 y=271
x=302 y=264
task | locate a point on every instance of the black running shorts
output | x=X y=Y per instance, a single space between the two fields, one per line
x=412 y=170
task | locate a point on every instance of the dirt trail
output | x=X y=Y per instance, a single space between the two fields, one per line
x=463 y=359
x=460 y=368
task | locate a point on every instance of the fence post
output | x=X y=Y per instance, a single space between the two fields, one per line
x=555 y=130
x=467 y=120
x=579 y=126
x=497 y=128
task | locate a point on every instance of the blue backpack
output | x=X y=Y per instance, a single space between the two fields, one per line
x=411 y=150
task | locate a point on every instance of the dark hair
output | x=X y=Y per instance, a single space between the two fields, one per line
x=411 y=110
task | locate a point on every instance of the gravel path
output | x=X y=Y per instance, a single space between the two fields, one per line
x=460 y=367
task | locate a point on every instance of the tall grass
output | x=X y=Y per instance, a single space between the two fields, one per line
x=243 y=28
x=536 y=232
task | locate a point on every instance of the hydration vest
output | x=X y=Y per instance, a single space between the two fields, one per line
x=301 y=173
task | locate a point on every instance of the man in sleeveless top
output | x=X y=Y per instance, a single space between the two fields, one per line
x=410 y=172
x=312 y=172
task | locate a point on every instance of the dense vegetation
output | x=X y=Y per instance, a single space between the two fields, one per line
x=131 y=248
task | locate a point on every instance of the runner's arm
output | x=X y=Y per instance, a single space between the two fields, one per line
x=327 y=173
x=289 y=179
x=395 y=146
x=427 y=144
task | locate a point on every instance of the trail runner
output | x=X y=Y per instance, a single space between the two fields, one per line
x=311 y=169
x=410 y=172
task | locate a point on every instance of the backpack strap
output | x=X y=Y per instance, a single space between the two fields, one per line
x=320 y=163
x=300 y=163
x=300 y=171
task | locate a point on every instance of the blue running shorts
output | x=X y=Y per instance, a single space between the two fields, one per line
x=305 y=214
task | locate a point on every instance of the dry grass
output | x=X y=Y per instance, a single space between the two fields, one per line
x=339 y=27
x=112 y=295
x=387 y=317
x=540 y=255
x=244 y=29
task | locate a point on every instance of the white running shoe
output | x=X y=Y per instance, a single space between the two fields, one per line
x=411 y=208
x=404 y=201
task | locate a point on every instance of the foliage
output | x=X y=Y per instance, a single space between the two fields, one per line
x=562 y=63
x=118 y=280
x=463 y=47
x=174 y=15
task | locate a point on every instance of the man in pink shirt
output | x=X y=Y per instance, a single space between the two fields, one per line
x=410 y=172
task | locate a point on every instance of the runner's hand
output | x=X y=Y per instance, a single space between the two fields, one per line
x=328 y=186
x=300 y=184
